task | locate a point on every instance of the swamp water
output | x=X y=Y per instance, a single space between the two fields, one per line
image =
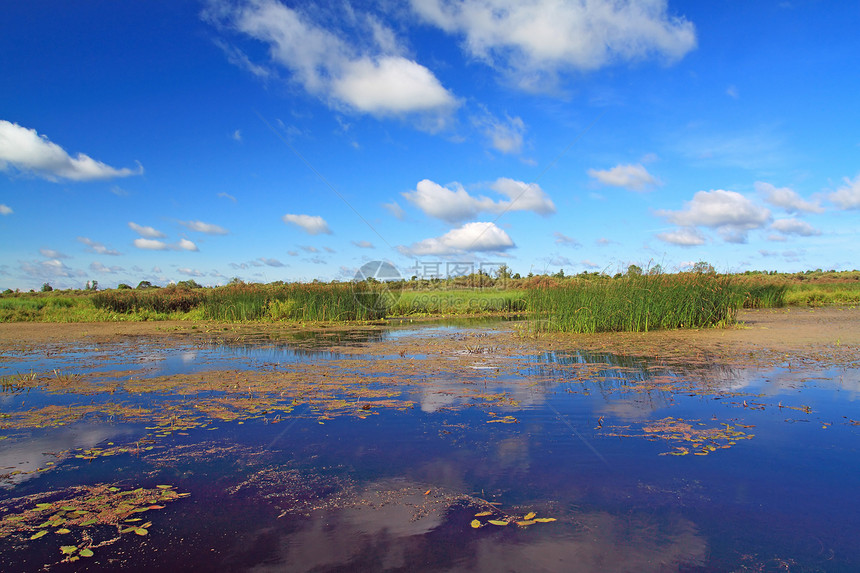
x=421 y=449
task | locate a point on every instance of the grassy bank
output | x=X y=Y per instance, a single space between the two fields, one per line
x=585 y=303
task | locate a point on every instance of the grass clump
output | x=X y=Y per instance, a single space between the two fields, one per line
x=636 y=303
x=459 y=301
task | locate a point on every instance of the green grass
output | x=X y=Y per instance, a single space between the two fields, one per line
x=459 y=301
x=635 y=304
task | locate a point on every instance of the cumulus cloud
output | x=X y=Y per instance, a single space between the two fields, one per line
x=374 y=78
x=309 y=249
x=148 y=232
x=98 y=267
x=52 y=254
x=533 y=40
x=25 y=150
x=730 y=213
x=684 y=237
x=786 y=199
x=633 y=177
x=504 y=135
x=5 y=209
x=150 y=244
x=471 y=237
x=98 y=248
x=156 y=245
x=562 y=239
x=185 y=245
x=794 y=227
x=312 y=224
x=847 y=196
x=191 y=272
x=51 y=268
x=363 y=244
x=208 y=228
x=454 y=203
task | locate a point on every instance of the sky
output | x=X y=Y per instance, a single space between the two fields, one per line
x=272 y=140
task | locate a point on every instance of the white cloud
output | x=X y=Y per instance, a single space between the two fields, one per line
x=454 y=203
x=471 y=237
x=227 y=196
x=562 y=239
x=786 y=199
x=312 y=224
x=5 y=209
x=25 y=150
x=98 y=267
x=150 y=244
x=237 y=135
x=98 y=248
x=684 y=236
x=207 y=228
x=52 y=254
x=634 y=177
x=730 y=213
x=191 y=272
x=533 y=40
x=589 y=264
x=148 y=232
x=794 y=227
x=363 y=244
x=309 y=248
x=847 y=196
x=185 y=245
x=390 y=85
x=374 y=78
x=395 y=210
x=271 y=262
x=50 y=269
x=505 y=135
x=156 y=245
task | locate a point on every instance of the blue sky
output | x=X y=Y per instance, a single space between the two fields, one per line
x=274 y=140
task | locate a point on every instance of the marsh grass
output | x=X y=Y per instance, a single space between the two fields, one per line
x=459 y=301
x=636 y=303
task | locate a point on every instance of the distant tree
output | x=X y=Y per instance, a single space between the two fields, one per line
x=655 y=270
x=516 y=276
x=634 y=271
x=94 y=286
x=123 y=286
x=47 y=287
x=559 y=274
x=144 y=284
x=189 y=284
x=704 y=268
x=236 y=281
x=503 y=272
x=7 y=291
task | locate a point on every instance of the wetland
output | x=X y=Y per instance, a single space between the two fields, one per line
x=431 y=446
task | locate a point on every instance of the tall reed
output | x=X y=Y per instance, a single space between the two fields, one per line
x=637 y=303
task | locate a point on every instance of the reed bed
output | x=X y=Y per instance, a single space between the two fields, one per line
x=459 y=302
x=298 y=302
x=636 y=303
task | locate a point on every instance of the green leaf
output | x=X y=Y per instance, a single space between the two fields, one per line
x=68 y=549
x=544 y=519
x=43 y=506
x=86 y=552
x=141 y=531
x=475 y=524
x=529 y=515
x=497 y=522
x=39 y=534
x=89 y=522
x=63 y=531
